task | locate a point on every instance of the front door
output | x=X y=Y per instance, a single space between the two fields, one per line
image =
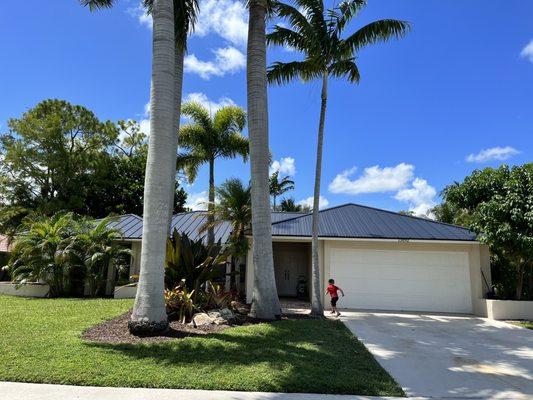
x=290 y=264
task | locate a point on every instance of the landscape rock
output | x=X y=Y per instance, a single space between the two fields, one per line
x=240 y=307
x=201 y=319
x=222 y=317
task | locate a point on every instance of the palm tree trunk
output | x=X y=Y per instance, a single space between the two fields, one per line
x=210 y=216
x=265 y=301
x=178 y=81
x=317 y=308
x=149 y=314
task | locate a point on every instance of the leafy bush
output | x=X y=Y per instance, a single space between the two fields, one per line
x=190 y=268
x=179 y=302
x=65 y=252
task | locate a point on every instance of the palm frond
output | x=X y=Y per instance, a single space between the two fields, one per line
x=282 y=36
x=97 y=4
x=189 y=163
x=229 y=119
x=281 y=73
x=198 y=113
x=345 y=68
x=235 y=145
x=377 y=31
x=297 y=20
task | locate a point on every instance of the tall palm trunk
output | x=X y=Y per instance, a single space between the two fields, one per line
x=210 y=206
x=178 y=82
x=265 y=301
x=149 y=315
x=316 y=297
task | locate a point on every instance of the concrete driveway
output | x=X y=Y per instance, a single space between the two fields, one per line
x=449 y=356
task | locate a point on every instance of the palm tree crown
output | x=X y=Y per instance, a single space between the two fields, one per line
x=279 y=186
x=207 y=138
x=317 y=33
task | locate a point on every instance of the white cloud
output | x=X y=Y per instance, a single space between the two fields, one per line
x=322 y=202
x=140 y=13
x=197 y=201
x=493 y=154
x=421 y=198
x=373 y=180
x=226 y=18
x=285 y=165
x=527 y=52
x=212 y=106
x=228 y=60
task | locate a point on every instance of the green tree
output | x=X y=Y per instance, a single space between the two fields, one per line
x=497 y=203
x=289 y=205
x=265 y=301
x=207 y=138
x=279 y=186
x=49 y=156
x=318 y=34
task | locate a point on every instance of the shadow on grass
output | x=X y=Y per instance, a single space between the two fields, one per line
x=310 y=356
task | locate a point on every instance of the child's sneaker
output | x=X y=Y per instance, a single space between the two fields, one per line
x=338 y=314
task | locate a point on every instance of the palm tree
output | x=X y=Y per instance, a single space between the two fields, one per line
x=265 y=301
x=208 y=138
x=289 y=205
x=149 y=314
x=279 y=187
x=234 y=205
x=318 y=34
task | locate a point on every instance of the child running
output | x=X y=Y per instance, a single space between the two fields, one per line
x=332 y=291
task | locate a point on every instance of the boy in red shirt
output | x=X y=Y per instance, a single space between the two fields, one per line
x=332 y=291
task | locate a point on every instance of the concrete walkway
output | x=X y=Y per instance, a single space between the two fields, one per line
x=449 y=356
x=33 y=391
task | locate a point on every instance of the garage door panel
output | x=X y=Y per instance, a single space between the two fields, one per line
x=403 y=280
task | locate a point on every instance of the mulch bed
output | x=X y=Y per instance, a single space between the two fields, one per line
x=116 y=330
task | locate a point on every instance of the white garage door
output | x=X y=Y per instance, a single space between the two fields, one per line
x=403 y=280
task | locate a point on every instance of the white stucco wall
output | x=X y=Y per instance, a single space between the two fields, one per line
x=478 y=260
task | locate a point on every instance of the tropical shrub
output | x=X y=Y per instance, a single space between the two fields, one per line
x=66 y=253
x=42 y=252
x=191 y=263
x=98 y=250
x=180 y=304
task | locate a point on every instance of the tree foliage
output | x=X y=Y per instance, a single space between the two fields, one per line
x=279 y=186
x=498 y=203
x=66 y=252
x=61 y=157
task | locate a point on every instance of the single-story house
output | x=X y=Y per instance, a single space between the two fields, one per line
x=381 y=259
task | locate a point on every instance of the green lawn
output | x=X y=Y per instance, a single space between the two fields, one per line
x=525 y=324
x=40 y=342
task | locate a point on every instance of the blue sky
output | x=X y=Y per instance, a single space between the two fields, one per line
x=456 y=94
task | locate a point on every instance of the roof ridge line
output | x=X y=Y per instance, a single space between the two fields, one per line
x=410 y=216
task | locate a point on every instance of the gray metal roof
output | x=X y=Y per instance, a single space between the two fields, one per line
x=357 y=221
x=345 y=221
x=131 y=226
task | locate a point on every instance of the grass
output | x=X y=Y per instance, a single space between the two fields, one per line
x=40 y=342
x=525 y=324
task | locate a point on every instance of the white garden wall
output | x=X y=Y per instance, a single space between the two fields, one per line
x=125 y=292
x=505 y=309
x=25 y=290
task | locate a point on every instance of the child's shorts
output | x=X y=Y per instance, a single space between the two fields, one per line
x=334 y=301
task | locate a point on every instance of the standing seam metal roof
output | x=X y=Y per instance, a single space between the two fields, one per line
x=344 y=221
